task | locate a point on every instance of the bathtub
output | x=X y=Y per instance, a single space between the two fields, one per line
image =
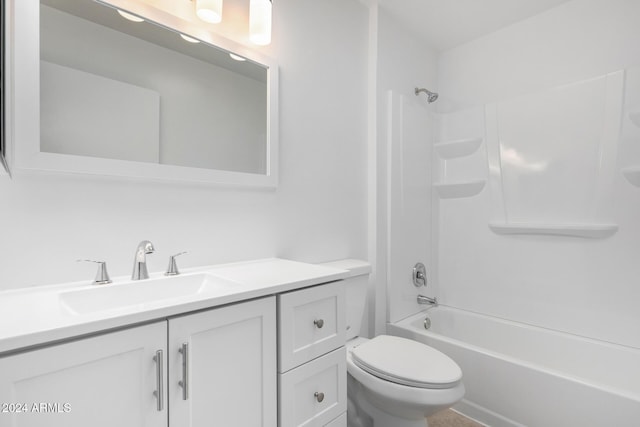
x=520 y=375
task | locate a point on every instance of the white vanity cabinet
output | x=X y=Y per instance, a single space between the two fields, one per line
x=312 y=357
x=222 y=366
x=103 y=381
x=228 y=377
x=250 y=344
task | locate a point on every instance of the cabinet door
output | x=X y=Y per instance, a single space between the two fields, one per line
x=103 y=381
x=230 y=368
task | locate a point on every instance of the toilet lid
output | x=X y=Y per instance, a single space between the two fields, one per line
x=406 y=362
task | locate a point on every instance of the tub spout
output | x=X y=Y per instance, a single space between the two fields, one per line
x=426 y=300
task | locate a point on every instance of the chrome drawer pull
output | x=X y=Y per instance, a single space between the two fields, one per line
x=319 y=396
x=159 y=393
x=184 y=350
x=319 y=323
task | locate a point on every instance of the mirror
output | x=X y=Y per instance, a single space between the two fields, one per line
x=146 y=99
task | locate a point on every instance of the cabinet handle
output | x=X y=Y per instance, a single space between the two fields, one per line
x=159 y=393
x=319 y=396
x=319 y=323
x=184 y=350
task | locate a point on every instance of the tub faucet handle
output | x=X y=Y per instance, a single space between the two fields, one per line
x=172 y=269
x=419 y=275
x=102 y=277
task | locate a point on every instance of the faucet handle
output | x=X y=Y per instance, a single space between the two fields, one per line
x=102 y=277
x=172 y=269
x=419 y=275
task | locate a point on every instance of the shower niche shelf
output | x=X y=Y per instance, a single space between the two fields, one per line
x=635 y=118
x=459 y=190
x=589 y=231
x=457 y=148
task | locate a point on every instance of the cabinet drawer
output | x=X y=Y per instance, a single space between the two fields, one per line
x=311 y=323
x=315 y=393
x=341 y=421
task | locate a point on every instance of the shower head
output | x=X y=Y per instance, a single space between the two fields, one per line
x=431 y=96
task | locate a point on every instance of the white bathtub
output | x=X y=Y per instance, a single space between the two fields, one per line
x=521 y=375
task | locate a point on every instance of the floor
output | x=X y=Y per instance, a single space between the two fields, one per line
x=451 y=418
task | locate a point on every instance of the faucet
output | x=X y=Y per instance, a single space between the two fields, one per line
x=140 y=260
x=426 y=300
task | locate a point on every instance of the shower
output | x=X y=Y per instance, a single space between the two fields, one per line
x=431 y=96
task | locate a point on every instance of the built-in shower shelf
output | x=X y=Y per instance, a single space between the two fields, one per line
x=459 y=189
x=632 y=174
x=458 y=148
x=635 y=118
x=591 y=231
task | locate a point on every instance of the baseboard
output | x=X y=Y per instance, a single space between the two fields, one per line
x=483 y=415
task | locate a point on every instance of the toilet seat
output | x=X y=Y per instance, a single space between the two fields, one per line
x=406 y=362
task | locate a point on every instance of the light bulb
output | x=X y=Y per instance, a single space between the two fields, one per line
x=237 y=57
x=260 y=22
x=209 y=10
x=130 y=16
x=189 y=39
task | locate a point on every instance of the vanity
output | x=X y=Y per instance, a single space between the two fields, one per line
x=159 y=98
x=258 y=343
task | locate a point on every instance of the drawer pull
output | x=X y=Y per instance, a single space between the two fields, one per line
x=159 y=392
x=184 y=383
x=319 y=396
x=319 y=323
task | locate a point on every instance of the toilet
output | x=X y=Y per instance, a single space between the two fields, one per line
x=392 y=381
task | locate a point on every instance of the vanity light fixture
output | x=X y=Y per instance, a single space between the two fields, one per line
x=209 y=10
x=189 y=39
x=260 y=22
x=237 y=57
x=129 y=16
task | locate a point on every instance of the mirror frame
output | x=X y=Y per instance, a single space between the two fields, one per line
x=26 y=108
x=5 y=98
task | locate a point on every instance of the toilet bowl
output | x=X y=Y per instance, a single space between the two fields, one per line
x=392 y=381
x=399 y=383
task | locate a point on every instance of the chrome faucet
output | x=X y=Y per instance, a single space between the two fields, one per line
x=140 y=260
x=426 y=300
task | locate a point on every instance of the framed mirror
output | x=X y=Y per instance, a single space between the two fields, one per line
x=141 y=93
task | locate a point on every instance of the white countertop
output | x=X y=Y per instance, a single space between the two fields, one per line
x=35 y=316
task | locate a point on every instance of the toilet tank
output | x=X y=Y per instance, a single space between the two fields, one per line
x=356 y=285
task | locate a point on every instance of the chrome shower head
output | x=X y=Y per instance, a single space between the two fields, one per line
x=431 y=96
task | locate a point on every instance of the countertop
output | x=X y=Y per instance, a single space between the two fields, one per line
x=36 y=316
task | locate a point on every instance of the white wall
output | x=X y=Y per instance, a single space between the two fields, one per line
x=577 y=40
x=318 y=212
x=584 y=286
x=404 y=212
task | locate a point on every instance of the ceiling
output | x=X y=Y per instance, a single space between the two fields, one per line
x=448 y=23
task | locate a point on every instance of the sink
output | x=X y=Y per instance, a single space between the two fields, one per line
x=142 y=293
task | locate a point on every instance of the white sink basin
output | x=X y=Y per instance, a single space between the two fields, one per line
x=142 y=293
